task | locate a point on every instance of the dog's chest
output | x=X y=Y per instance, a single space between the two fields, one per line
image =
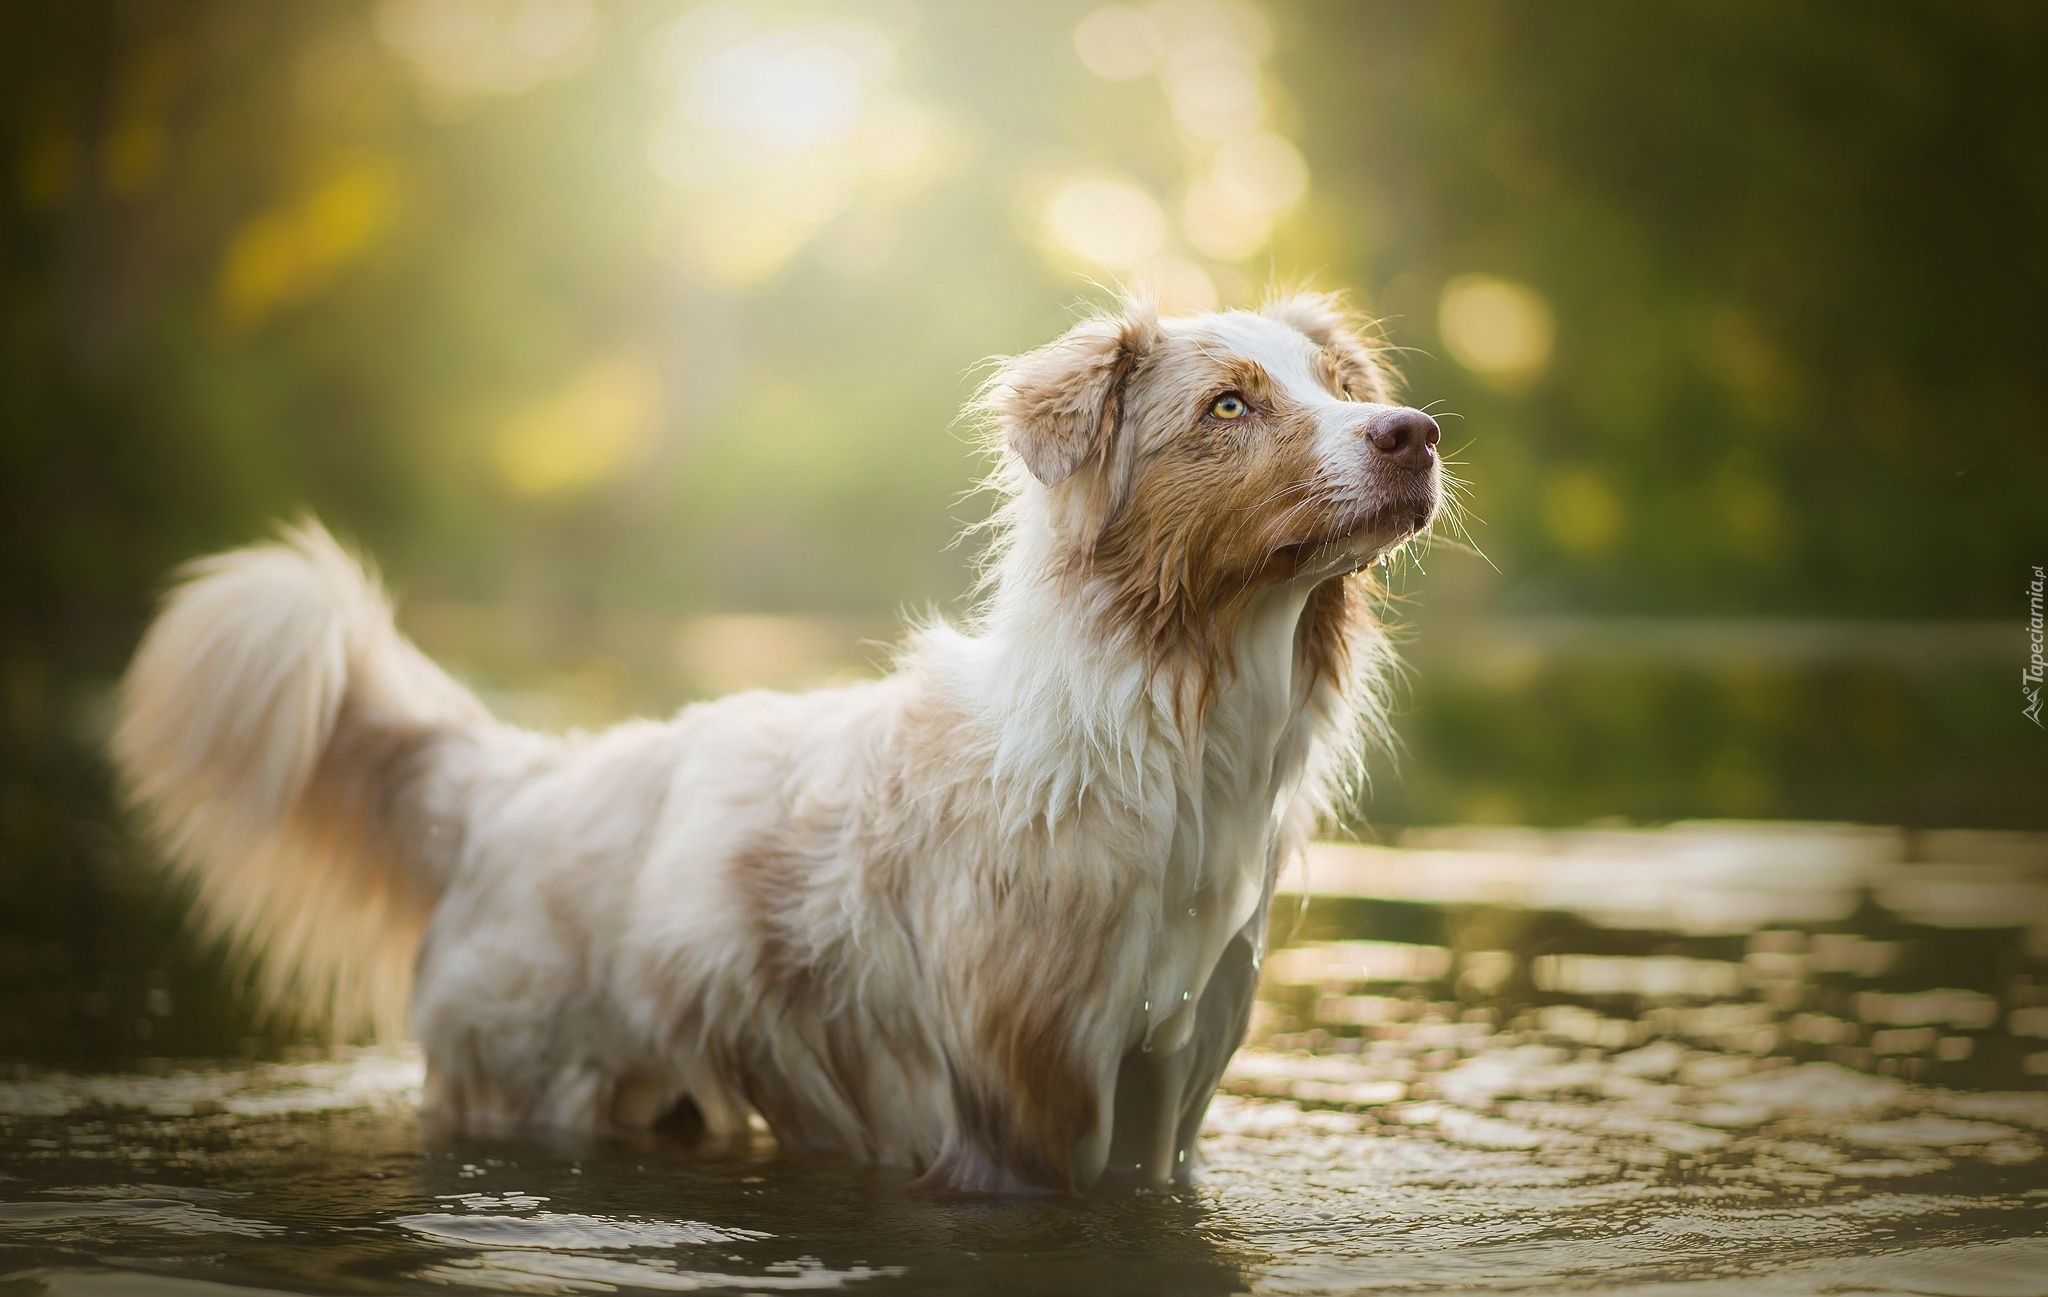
x=1224 y=839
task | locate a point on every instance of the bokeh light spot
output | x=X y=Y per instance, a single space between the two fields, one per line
x=1220 y=226
x=289 y=253
x=1240 y=176
x=1262 y=172
x=1110 y=222
x=1117 y=43
x=1497 y=328
x=1213 y=87
x=468 y=48
x=1236 y=23
x=778 y=92
x=596 y=426
x=771 y=134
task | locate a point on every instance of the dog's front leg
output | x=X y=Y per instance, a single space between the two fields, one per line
x=1220 y=1023
x=1149 y=1087
x=1161 y=1096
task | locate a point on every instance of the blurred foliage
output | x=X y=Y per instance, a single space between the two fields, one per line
x=1732 y=310
x=1850 y=741
x=1793 y=253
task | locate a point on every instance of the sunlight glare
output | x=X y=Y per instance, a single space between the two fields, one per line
x=771 y=133
x=780 y=92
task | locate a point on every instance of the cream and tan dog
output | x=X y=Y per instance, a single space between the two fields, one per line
x=996 y=917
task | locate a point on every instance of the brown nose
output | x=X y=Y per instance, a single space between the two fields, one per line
x=1408 y=437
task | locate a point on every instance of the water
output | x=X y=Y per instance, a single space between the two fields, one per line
x=1446 y=1090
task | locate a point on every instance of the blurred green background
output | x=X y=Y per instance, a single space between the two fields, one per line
x=630 y=338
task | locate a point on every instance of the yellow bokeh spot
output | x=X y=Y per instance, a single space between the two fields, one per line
x=597 y=425
x=291 y=252
x=1582 y=511
x=1500 y=330
x=350 y=208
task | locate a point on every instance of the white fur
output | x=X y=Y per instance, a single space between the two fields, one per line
x=811 y=907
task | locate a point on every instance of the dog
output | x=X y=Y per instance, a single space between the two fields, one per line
x=995 y=918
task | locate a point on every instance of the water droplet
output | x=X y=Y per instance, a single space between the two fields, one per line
x=1148 y=1006
x=1191 y=912
x=1183 y=995
x=1148 y=1046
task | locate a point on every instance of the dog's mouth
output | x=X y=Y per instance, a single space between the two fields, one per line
x=1370 y=533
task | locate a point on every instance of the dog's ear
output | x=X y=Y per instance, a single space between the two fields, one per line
x=1341 y=334
x=1060 y=406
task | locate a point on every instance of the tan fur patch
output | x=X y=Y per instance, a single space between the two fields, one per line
x=1336 y=612
x=1215 y=517
x=1050 y=1104
x=356 y=818
x=794 y=988
x=771 y=880
x=1062 y=403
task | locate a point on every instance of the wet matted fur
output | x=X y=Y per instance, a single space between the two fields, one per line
x=996 y=917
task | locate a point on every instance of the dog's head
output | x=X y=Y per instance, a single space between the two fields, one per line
x=1189 y=463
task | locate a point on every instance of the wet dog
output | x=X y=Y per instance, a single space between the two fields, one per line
x=996 y=917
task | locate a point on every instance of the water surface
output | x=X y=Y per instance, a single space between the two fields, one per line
x=1459 y=1092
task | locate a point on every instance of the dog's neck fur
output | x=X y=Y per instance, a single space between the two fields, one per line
x=1074 y=707
x=1077 y=713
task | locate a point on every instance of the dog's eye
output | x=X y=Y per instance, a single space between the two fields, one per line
x=1229 y=406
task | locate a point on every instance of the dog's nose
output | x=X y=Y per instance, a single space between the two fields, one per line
x=1408 y=437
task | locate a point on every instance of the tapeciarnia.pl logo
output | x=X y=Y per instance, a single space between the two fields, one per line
x=2030 y=677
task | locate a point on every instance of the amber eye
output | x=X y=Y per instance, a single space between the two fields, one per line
x=1229 y=406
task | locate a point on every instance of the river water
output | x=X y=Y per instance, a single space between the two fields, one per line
x=1780 y=1061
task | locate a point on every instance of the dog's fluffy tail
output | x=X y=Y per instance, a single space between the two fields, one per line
x=284 y=739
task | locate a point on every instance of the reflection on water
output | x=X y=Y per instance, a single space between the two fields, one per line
x=1713 y=1060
